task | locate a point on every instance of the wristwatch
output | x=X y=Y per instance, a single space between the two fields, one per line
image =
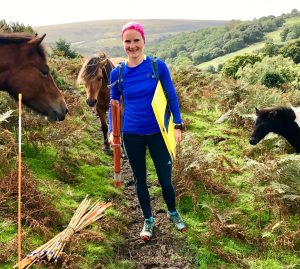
x=178 y=126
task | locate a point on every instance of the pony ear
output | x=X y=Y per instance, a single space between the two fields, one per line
x=257 y=112
x=102 y=63
x=36 y=41
x=273 y=114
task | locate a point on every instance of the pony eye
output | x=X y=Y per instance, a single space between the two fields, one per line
x=44 y=72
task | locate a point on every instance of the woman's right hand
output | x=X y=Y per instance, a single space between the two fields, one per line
x=111 y=141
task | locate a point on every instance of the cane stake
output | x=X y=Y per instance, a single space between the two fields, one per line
x=19 y=182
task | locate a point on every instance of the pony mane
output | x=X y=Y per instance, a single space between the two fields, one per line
x=280 y=109
x=15 y=37
x=90 y=69
x=20 y=38
x=285 y=111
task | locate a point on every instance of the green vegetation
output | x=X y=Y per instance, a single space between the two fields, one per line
x=105 y=35
x=15 y=27
x=63 y=48
x=62 y=163
x=207 y=44
x=292 y=50
x=231 y=67
x=271 y=45
x=272 y=72
x=240 y=202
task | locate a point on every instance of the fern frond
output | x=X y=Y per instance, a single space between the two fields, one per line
x=6 y=115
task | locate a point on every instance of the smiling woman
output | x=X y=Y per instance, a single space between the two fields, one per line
x=24 y=69
x=134 y=82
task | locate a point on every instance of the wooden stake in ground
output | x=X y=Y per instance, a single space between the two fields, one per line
x=84 y=216
x=19 y=182
x=116 y=129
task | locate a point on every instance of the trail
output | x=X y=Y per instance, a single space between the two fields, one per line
x=166 y=249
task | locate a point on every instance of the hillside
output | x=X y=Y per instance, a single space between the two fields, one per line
x=275 y=36
x=241 y=202
x=90 y=37
x=199 y=47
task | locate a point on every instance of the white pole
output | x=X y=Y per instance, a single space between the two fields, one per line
x=19 y=184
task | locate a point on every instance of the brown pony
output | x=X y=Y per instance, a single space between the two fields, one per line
x=95 y=73
x=24 y=69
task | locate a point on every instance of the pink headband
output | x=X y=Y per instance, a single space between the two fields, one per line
x=134 y=26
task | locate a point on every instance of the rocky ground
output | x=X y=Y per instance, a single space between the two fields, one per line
x=167 y=248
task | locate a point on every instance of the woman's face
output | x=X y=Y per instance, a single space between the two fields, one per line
x=133 y=44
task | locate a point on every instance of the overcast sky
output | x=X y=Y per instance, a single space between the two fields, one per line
x=48 y=12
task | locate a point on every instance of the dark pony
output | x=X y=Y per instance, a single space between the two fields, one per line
x=284 y=121
x=24 y=69
x=95 y=73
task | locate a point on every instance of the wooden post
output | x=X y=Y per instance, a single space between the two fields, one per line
x=19 y=183
x=116 y=129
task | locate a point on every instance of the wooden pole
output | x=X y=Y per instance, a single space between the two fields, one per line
x=84 y=216
x=116 y=129
x=19 y=183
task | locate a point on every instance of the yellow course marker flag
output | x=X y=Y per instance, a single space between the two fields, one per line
x=164 y=118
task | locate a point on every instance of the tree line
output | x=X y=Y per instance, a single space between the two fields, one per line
x=206 y=44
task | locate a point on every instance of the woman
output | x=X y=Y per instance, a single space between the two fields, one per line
x=140 y=129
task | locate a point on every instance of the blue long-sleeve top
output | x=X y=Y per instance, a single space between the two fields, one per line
x=138 y=89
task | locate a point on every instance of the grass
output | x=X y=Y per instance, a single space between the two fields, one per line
x=40 y=161
x=292 y=21
x=97 y=181
x=214 y=247
x=8 y=230
x=224 y=231
x=222 y=59
x=67 y=170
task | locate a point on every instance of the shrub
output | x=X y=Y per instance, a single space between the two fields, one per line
x=290 y=32
x=270 y=49
x=231 y=67
x=272 y=79
x=283 y=70
x=211 y=69
x=292 y=50
x=63 y=48
x=64 y=71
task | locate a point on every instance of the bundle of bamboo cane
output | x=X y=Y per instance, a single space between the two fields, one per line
x=116 y=130
x=84 y=216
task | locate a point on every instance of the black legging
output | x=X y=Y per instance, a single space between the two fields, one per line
x=135 y=147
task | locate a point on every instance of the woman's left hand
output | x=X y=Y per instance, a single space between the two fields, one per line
x=177 y=133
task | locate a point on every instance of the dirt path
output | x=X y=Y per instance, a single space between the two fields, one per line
x=167 y=247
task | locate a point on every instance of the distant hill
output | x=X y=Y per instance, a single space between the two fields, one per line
x=89 y=37
x=199 y=47
x=274 y=36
